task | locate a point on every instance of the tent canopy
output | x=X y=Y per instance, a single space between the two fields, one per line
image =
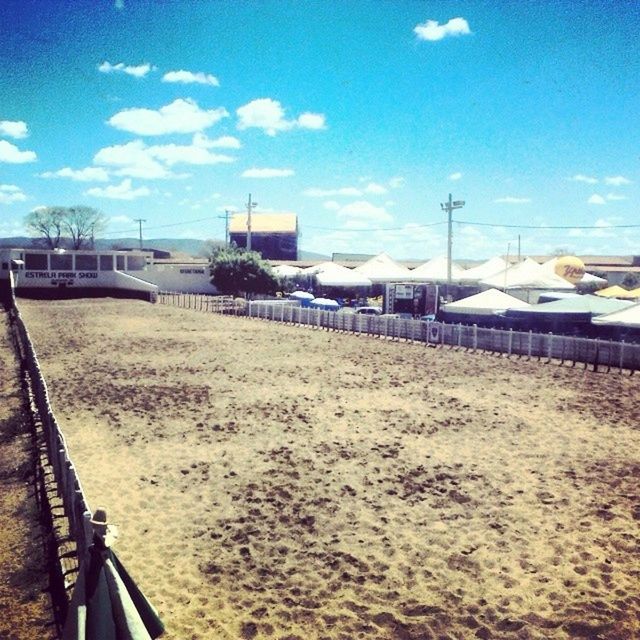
x=527 y=274
x=335 y=275
x=576 y=305
x=487 y=302
x=484 y=270
x=382 y=268
x=550 y=266
x=435 y=270
x=627 y=317
x=616 y=291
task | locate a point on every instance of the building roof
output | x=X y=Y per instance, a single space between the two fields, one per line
x=264 y=223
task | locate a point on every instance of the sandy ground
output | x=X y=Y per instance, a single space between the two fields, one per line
x=281 y=482
x=25 y=606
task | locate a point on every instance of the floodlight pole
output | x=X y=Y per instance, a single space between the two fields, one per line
x=250 y=207
x=449 y=207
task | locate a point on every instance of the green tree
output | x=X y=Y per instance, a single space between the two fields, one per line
x=237 y=272
x=78 y=224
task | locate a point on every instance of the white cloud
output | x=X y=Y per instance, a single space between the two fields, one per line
x=268 y=115
x=432 y=30
x=596 y=199
x=615 y=196
x=132 y=159
x=138 y=71
x=375 y=188
x=181 y=116
x=122 y=191
x=311 y=121
x=10 y=193
x=186 y=154
x=13 y=128
x=455 y=176
x=580 y=177
x=617 y=181
x=397 y=182
x=188 y=77
x=10 y=153
x=90 y=174
x=332 y=193
x=224 y=142
x=267 y=173
x=363 y=211
x=512 y=200
x=332 y=205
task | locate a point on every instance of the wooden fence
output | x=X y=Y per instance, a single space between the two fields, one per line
x=598 y=353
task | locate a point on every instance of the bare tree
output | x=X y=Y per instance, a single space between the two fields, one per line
x=83 y=224
x=78 y=223
x=47 y=223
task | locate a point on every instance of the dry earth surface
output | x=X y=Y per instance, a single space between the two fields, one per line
x=281 y=482
x=25 y=606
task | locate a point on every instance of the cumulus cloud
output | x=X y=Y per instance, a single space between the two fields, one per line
x=186 y=154
x=617 y=181
x=332 y=193
x=580 y=177
x=267 y=173
x=512 y=200
x=188 y=77
x=363 y=211
x=455 y=176
x=11 y=154
x=268 y=115
x=10 y=193
x=223 y=142
x=89 y=174
x=397 y=182
x=181 y=116
x=375 y=188
x=615 y=196
x=138 y=71
x=596 y=199
x=432 y=30
x=13 y=128
x=122 y=191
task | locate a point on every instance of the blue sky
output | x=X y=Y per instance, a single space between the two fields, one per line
x=359 y=116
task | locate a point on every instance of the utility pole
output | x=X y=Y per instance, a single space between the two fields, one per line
x=226 y=226
x=250 y=207
x=449 y=206
x=140 y=221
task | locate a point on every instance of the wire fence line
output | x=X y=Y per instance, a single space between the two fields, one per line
x=58 y=489
x=605 y=355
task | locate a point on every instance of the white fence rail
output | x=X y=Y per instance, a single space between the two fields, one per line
x=601 y=354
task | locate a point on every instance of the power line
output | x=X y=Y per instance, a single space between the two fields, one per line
x=542 y=228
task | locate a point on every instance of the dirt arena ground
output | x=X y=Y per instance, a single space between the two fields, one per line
x=280 y=482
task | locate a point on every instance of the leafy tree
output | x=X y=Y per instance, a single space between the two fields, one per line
x=237 y=272
x=78 y=223
x=48 y=224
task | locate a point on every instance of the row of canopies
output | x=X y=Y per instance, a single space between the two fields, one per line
x=572 y=308
x=495 y=272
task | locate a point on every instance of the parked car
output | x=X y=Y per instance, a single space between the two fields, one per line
x=370 y=311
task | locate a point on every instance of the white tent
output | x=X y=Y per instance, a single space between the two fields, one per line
x=317 y=268
x=335 y=275
x=629 y=317
x=285 y=270
x=435 y=270
x=486 y=302
x=527 y=274
x=382 y=268
x=550 y=266
x=484 y=270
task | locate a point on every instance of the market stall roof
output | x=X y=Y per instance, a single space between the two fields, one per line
x=335 y=275
x=527 y=274
x=628 y=317
x=285 y=270
x=616 y=291
x=435 y=270
x=579 y=304
x=484 y=270
x=486 y=302
x=382 y=268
